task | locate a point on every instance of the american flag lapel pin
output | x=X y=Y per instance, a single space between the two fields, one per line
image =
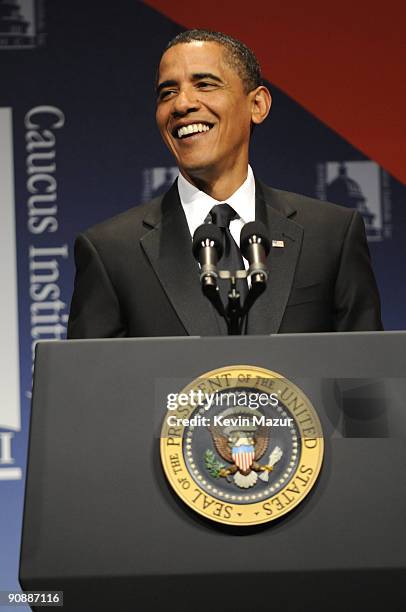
x=278 y=243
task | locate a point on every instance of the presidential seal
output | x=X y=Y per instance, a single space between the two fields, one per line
x=241 y=445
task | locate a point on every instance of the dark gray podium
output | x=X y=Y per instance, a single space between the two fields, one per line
x=102 y=524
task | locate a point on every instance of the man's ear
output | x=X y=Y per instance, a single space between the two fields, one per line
x=261 y=104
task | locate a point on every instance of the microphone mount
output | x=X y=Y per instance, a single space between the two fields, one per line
x=207 y=249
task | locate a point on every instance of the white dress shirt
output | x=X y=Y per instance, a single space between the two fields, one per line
x=197 y=205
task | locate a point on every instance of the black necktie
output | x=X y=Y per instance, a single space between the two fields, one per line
x=221 y=215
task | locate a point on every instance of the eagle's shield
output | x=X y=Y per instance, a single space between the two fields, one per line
x=243 y=457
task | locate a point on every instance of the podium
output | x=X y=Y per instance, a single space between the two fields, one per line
x=102 y=524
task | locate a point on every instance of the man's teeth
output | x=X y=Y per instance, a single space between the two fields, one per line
x=192 y=129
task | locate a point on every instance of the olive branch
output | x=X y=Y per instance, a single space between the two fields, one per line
x=213 y=465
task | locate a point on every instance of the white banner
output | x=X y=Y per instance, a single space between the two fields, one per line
x=9 y=350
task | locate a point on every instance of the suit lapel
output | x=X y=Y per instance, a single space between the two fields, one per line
x=168 y=247
x=167 y=244
x=273 y=209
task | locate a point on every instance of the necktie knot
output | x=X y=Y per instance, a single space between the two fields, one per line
x=222 y=214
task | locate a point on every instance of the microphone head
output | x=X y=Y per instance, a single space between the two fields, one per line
x=254 y=228
x=208 y=232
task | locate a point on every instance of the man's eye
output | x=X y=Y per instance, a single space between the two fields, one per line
x=204 y=84
x=166 y=94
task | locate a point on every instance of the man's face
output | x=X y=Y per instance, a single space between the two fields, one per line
x=199 y=91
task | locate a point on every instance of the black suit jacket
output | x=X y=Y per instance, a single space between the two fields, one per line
x=136 y=275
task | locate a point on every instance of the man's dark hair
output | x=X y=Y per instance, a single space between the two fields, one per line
x=237 y=55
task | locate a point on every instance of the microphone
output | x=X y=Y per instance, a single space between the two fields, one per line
x=208 y=249
x=254 y=245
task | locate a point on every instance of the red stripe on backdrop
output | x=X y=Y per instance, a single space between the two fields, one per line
x=342 y=61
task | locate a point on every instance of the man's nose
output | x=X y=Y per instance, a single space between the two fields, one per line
x=185 y=102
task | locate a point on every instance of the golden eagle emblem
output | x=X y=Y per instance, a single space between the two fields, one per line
x=242 y=444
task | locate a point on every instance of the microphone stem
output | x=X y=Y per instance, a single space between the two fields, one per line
x=235 y=313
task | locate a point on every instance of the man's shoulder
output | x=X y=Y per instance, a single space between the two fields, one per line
x=306 y=206
x=130 y=223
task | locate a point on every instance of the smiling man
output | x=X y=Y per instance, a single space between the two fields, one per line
x=205 y=109
x=136 y=275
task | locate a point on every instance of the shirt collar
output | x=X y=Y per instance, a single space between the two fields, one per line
x=197 y=204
